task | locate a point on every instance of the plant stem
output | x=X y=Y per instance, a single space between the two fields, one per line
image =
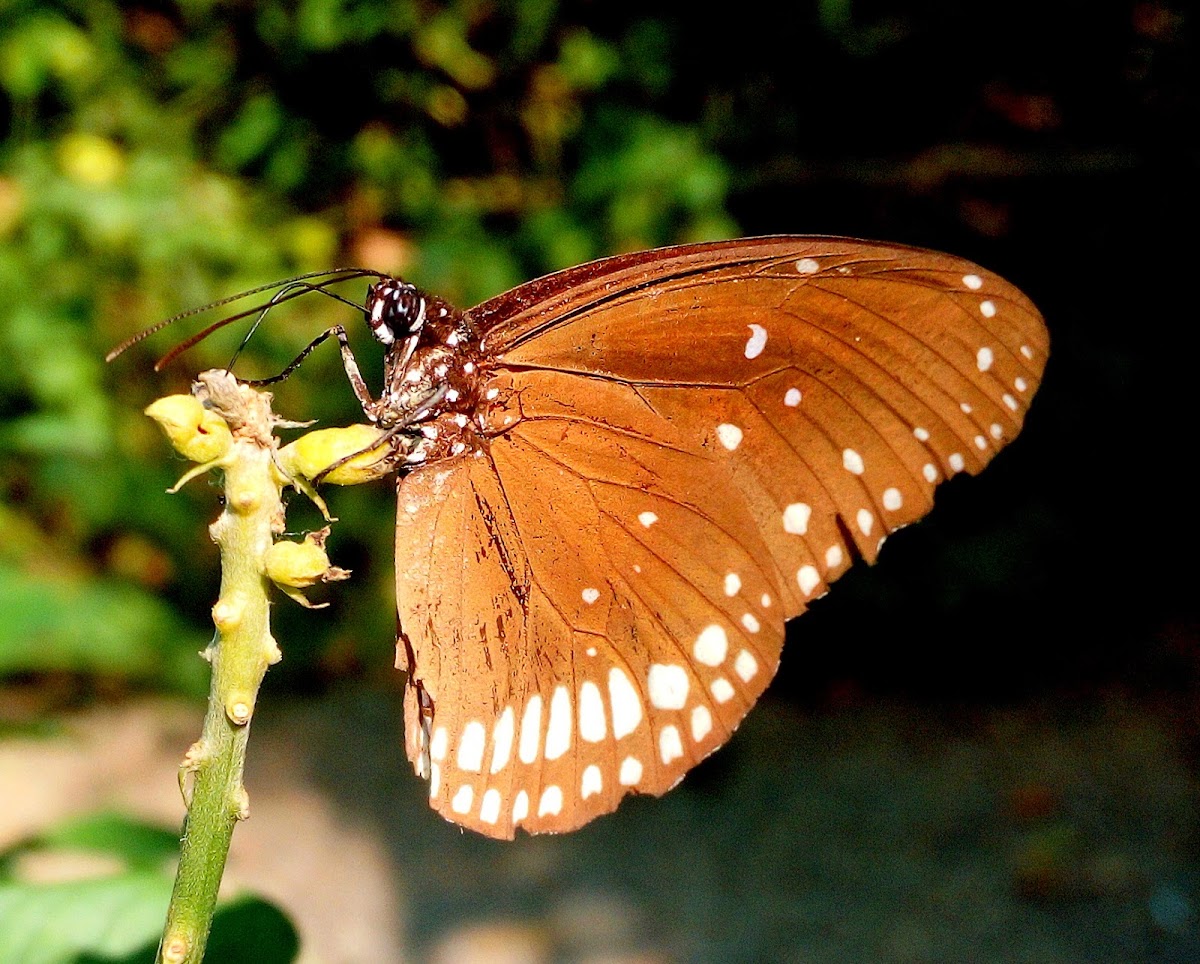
x=240 y=654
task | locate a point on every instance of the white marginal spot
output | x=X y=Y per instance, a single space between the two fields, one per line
x=438 y=746
x=631 y=771
x=1027 y=352
x=892 y=499
x=670 y=746
x=558 y=730
x=502 y=740
x=435 y=780
x=729 y=435
x=462 y=800
x=766 y=601
x=956 y=462
x=930 y=472
x=470 y=747
x=492 y=394
x=973 y=281
x=701 y=723
x=1009 y=401
x=711 y=645
x=966 y=409
x=591 y=782
x=521 y=807
x=996 y=429
x=489 y=810
x=637 y=568
x=591 y=713
x=866 y=521
x=626 y=707
x=795 y=518
x=791 y=397
x=721 y=689
x=833 y=556
x=551 y=802
x=733 y=583
x=981 y=443
x=987 y=309
x=667 y=686
x=531 y=729
x=922 y=435
x=647 y=519
x=750 y=622
x=590 y=595
x=808 y=578
x=984 y=357
x=853 y=462
x=807 y=266
x=1020 y=384
x=745 y=666
x=757 y=342
x=591 y=650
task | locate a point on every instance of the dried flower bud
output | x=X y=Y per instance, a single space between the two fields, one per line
x=196 y=433
x=312 y=454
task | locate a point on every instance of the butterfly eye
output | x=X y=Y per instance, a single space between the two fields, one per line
x=394 y=310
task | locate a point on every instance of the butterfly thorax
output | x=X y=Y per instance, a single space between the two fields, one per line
x=431 y=371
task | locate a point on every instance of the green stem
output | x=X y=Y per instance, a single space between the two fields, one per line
x=240 y=654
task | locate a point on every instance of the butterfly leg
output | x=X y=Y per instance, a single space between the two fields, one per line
x=349 y=363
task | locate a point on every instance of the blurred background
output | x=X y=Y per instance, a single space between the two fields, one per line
x=983 y=748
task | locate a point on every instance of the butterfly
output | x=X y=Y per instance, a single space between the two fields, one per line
x=616 y=483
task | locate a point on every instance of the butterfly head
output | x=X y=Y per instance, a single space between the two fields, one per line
x=394 y=310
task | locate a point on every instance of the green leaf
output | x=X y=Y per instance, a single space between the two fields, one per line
x=143 y=846
x=118 y=920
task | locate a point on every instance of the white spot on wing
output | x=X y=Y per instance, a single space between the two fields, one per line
x=892 y=499
x=502 y=740
x=745 y=666
x=721 y=690
x=591 y=783
x=730 y=436
x=667 y=686
x=489 y=810
x=956 y=462
x=551 y=802
x=1009 y=401
x=631 y=771
x=462 y=800
x=987 y=309
x=972 y=281
x=626 y=707
x=922 y=435
x=590 y=595
x=521 y=807
x=853 y=462
x=833 y=556
x=807 y=266
x=647 y=519
x=795 y=518
x=670 y=746
x=791 y=397
x=438 y=745
x=930 y=472
x=866 y=521
x=757 y=342
x=701 y=723
x=750 y=622
x=808 y=578
x=711 y=645
x=733 y=583
x=470 y=747
x=558 y=730
x=591 y=713
x=984 y=357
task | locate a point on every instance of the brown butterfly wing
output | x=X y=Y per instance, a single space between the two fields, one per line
x=686 y=446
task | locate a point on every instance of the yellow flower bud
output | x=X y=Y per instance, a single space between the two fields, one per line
x=297 y=564
x=196 y=433
x=312 y=454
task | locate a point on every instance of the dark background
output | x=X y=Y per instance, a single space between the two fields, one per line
x=156 y=157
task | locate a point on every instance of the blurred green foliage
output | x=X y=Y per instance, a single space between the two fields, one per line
x=158 y=157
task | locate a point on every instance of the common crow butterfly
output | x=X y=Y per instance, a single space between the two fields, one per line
x=617 y=482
